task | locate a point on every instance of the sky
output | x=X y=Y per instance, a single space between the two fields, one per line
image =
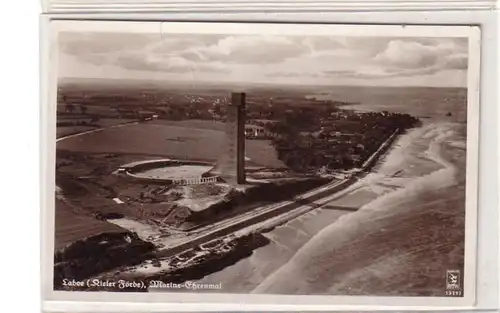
x=295 y=60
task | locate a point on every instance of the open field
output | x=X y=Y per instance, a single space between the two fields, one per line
x=62 y=131
x=196 y=124
x=71 y=226
x=183 y=142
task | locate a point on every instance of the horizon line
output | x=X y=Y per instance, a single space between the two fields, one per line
x=61 y=80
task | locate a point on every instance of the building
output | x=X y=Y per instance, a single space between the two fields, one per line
x=255 y=132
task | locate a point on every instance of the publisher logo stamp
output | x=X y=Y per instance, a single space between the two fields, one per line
x=452 y=279
x=453 y=282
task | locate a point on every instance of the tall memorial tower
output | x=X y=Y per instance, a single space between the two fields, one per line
x=231 y=166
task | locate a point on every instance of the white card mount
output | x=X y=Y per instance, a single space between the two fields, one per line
x=100 y=6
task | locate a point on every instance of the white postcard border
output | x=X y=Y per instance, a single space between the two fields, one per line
x=232 y=301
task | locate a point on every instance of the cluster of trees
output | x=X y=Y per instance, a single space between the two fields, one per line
x=305 y=144
x=77 y=122
x=97 y=254
x=291 y=107
x=72 y=108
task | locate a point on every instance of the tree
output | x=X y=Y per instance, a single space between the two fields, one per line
x=83 y=109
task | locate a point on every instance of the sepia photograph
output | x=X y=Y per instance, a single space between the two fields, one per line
x=321 y=160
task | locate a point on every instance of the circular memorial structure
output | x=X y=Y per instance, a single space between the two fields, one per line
x=170 y=171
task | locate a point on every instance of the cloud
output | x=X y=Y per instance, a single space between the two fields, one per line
x=407 y=58
x=174 y=43
x=307 y=59
x=82 y=44
x=420 y=61
x=457 y=62
x=167 y=64
x=321 y=43
x=139 y=52
x=407 y=55
x=252 y=50
x=419 y=53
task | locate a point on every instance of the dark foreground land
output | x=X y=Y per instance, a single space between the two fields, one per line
x=304 y=140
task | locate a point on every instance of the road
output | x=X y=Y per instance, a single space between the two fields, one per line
x=263 y=217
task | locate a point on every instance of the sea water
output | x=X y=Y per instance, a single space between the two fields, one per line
x=408 y=229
